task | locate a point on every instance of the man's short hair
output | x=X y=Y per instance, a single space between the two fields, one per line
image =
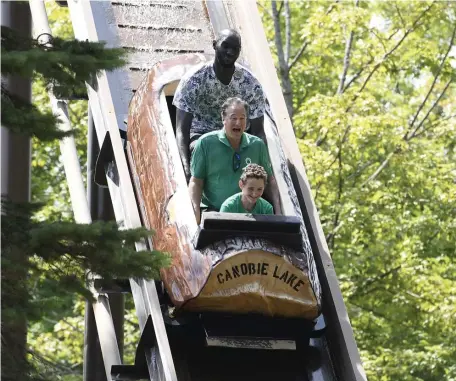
x=254 y=171
x=232 y=101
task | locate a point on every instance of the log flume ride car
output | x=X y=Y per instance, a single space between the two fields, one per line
x=230 y=264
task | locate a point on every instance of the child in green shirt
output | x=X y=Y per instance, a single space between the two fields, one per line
x=252 y=183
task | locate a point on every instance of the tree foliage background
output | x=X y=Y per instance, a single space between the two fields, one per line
x=371 y=89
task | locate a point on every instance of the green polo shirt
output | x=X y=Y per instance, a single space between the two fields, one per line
x=233 y=204
x=212 y=161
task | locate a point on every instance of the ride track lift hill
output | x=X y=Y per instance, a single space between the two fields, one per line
x=200 y=346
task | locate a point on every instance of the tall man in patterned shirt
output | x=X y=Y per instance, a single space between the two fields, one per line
x=202 y=92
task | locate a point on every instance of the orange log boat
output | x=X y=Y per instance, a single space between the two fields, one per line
x=236 y=264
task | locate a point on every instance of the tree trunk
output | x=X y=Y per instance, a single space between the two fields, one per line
x=284 y=69
x=16 y=152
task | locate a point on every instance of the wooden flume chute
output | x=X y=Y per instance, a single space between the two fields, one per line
x=236 y=274
x=164 y=351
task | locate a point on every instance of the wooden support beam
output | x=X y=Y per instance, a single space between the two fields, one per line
x=106 y=333
x=110 y=108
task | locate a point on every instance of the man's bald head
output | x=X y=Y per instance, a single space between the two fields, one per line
x=227 y=47
x=228 y=33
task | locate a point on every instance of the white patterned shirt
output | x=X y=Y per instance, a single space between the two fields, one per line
x=202 y=94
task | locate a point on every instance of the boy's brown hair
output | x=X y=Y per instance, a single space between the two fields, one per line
x=254 y=171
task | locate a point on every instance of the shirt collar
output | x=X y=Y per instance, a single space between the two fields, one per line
x=245 y=139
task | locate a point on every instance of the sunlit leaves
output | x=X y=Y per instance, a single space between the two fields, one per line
x=382 y=173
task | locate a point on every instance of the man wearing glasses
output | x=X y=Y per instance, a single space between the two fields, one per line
x=202 y=91
x=218 y=159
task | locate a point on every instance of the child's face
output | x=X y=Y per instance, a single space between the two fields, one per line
x=252 y=189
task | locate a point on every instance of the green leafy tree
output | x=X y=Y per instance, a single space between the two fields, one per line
x=55 y=254
x=373 y=95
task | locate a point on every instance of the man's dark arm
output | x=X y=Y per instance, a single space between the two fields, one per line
x=257 y=128
x=183 y=123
